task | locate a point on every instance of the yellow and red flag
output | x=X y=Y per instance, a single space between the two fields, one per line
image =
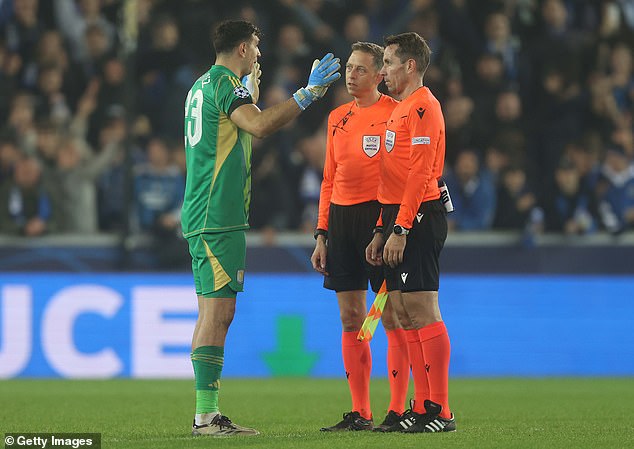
x=374 y=315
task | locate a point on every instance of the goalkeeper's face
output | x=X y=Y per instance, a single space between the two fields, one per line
x=251 y=54
x=362 y=76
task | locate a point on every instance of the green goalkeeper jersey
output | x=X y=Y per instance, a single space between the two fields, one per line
x=218 y=154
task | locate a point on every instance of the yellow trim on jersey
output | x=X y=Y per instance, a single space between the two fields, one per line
x=227 y=138
x=221 y=278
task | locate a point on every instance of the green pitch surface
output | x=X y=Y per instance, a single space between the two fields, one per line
x=491 y=413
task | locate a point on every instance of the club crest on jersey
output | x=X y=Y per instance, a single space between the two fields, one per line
x=371 y=145
x=241 y=92
x=390 y=137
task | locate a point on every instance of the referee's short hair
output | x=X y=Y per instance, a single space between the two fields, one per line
x=374 y=50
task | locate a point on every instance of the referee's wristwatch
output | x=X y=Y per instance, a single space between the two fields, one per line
x=319 y=232
x=400 y=230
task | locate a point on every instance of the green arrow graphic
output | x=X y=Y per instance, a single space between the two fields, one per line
x=290 y=358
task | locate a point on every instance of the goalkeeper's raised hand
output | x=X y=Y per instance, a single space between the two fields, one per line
x=252 y=82
x=324 y=72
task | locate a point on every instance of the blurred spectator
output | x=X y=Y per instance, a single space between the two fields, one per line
x=507 y=119
x=505 y=149
x=23 y=30
x=10 y=65
x=461 y=31
x=97 y=50
x=616 y=190
x=46 y=144
x=313 y=149
x=110 y=95
x=283 y=65
x=273 y=176
x=317 y=17
x=51 y=52
x=166 y=75
x=556 y=42
x=473 y=194
x=51 y=100
x=112 y=186
x=515 y=200
x=76 y=174
x=9 y=154
x=158 y=190
x=569 y=209
x=621 y=74
x=483 y=90
x=499 y=40
x=25 y=205
x=21 y=120
x=158 y=196
x=458 y=112
x=355 y=29
x=444 y=63
x=558 y=119
x=584 y=155
x=74 y=18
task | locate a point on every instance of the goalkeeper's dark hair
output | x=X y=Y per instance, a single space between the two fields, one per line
x=411 y=46
x=374 y=50
x=231 y=33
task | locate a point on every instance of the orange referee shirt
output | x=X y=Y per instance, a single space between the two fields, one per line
x=415 y=155
x=353 y=150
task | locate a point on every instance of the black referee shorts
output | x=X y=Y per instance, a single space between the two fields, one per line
x=420 y=270
x=349 y=233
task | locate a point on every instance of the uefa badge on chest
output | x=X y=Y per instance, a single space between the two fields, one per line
x=371 y=145
x=390 y=137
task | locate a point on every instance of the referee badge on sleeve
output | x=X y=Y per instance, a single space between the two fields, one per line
x=371 y=145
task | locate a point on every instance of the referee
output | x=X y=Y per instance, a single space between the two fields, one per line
x=415 y=225
x=348 y=210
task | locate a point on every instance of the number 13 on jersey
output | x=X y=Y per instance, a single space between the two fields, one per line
x=194 y=117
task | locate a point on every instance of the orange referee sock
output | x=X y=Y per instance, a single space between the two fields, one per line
x=417 y=363
x=357 y=361
x=397 y=368
x=437 y=349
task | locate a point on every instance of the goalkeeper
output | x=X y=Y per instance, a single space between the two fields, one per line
x=220 y=119
x=348 y=210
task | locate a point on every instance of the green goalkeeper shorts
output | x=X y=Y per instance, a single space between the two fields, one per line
x=218 y=263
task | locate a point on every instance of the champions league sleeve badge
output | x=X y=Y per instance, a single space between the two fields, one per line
x=241 y=92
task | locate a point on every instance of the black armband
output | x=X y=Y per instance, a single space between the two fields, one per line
x=319 y=232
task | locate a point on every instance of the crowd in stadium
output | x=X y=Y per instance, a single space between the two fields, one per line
x=538 y=100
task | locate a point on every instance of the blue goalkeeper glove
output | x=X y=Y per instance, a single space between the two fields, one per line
x=322 y=75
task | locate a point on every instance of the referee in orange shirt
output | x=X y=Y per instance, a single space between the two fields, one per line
x=348 y=210
x=415 y=225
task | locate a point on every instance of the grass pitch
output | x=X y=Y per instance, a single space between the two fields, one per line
x=491 y=413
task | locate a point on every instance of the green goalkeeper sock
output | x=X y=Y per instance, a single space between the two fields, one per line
x=207 y=361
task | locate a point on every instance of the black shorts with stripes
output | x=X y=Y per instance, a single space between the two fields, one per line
x=420 y=270
x=349 y=233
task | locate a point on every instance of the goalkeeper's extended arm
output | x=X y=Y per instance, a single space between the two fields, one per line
x=262 y=123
